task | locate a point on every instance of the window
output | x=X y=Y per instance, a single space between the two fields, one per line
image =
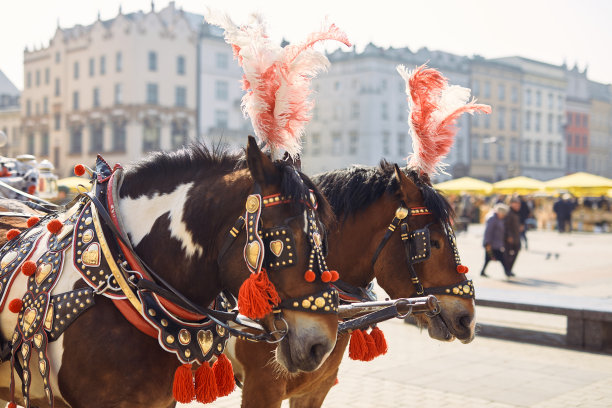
x=28 y=108
x=514 y=94
x=527 y=151
x=221 y=90
x=551 y=101
x=37 y=78
x=57 y=119
x=538 y=98
x=337 y=86
x=96 y=137
x=75 y=100
x=178 y=133
x=315 y=113
x=355 y=110
x=180 y=65
x=45 y=105
x=28 y=80
x=559 y=153
x=118 y=94
x=475 y=87
x=475 y=147
x=401 y=112
x=528 y=121
x=550 y=123
x=514 y=119
x=501 y=118
x=486 y=149
x=57 y=57
x=152 y=94
x=76 y=139
x=119 y=135
x=501 y=92
x=386 y=143
x=152 y=61
x=353 y=142
x=96 y=97
x=501 y=149
x=537 y=151
x=549 y=152
x=103 y=65
x=316 y=144
x=528 y=97
x=47 y=76
x=383 y=84
x=402 y=142
x=30 y=143
x=221 y=119
x=181 y=96
x=560 y=102
x=487 y=89
x=513 y=150
x=119 y=62
x=384 y=111
x=92 y=67
x=152 y=134
x=75 y=70
x=537 y=121
x=475 y=120
x=221 y=60
x=57 y=87
x=487 y=121
x=336 y=143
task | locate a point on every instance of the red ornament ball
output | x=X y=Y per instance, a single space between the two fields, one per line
x=55 y=226
x=12 y=234
x=309 y=276
x=15 y=305
x=32 y=221
x=79 y=170
x=28 y=268
x=335 y=276
x=326 y=276
x=462 y=269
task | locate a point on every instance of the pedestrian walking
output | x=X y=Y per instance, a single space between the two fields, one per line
x=512 y=233
x=563 y=208
x=494 y=235
x=525 y=212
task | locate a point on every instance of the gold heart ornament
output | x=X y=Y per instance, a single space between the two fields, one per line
x=38 y=338
x=91 y=256
x=42 y=366
x=276 y=247
x=317 y=239
x=205 y=341
x=28 y=318
x=252 y=253
x=8 y=258
x=42 y=272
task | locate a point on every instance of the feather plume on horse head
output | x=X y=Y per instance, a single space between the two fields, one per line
x=434 y=109
x=277 y=79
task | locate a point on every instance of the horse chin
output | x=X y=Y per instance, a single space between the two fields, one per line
x=455 y=321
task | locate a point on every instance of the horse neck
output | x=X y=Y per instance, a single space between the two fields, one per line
x=353 y=244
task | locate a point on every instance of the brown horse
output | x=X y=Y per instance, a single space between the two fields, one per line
x=177 y=210
x=365 y=200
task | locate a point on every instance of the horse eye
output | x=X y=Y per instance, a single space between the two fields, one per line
x=435 y=243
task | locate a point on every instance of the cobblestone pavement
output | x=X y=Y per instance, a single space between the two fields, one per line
x=492 y=373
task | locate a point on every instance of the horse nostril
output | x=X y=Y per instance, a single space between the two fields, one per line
x=465 y=321
x=317 y=352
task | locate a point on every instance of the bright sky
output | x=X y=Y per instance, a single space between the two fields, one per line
x=553 y=31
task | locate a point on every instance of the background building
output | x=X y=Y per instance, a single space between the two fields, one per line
x=577 y=108
x=599 y=159
x=10 y=116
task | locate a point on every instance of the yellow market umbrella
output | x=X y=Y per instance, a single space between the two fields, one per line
x=72 y=183
x=520 y=185
x=464 y=185
x=581 y=184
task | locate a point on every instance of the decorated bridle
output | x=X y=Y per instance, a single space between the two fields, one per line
x=417 y=246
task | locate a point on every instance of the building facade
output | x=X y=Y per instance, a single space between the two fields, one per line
x=10 y=117
x=577 y=114
x=121 y=88
x=599 y=159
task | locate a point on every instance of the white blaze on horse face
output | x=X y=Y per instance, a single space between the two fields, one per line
x=139 y=216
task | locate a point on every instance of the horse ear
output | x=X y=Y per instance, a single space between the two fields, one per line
x=408 y=190
x=261 y=167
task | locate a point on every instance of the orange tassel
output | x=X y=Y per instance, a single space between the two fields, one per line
x=12 y=234
x=206 y=385
x=32 y=221
x=371 y=352
x=379 y=339
x=183 y=389
x=257 y=296
x=15 y=305
x=224 y=374
x=28 y=268
x=357 y=346
x=55 y=226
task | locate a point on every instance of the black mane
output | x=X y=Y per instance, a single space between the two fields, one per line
x=355 y=188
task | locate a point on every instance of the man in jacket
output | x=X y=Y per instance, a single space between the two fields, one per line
x=512 y=233
x=494 y=238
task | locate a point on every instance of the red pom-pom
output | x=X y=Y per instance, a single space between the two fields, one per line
x=55 y=226
x=379 y=339
x=206 y=385
x=79 y=170
x=32 y=190
x=371 y=352
x=224 y=375
x=309 y=276
x=462 y=269
x=12 y=405
x=357 y=347
x=183 y=389
x=257 y=296
x=335 y=276
x=32 y=221
x=28 y=268
x=326 y=276
x=12 y=234
x=15 y=305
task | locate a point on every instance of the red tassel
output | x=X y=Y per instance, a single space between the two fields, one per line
x=15 y=305
x=257 y=296
x=309 y=276
x=371 y=352
x=55 y=226
x=183 y=389
x=79 y=170
x=32 y=221
x=28 y=268
x=224 y=374
x=462 y=269
x=379 y=340
x=357 y=347
x=206 y=385
x=12 y=234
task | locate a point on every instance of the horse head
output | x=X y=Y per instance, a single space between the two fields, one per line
x=290 y=228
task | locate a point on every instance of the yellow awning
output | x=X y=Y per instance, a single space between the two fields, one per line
x=72 y=183
x=580 y=184
x=518 y=185
x=464 y=185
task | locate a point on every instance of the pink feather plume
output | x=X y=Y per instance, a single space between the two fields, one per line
x=276 y=80
x=434 y=109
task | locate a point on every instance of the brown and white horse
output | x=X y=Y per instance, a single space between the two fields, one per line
x=178 y=209
x=365 y=200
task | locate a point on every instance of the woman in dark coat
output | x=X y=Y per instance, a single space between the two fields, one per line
x=494 y=236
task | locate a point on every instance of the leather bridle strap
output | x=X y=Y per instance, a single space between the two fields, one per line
x=413 y=276
x=390 y=229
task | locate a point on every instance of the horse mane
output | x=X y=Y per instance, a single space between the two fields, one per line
x=355 y=188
